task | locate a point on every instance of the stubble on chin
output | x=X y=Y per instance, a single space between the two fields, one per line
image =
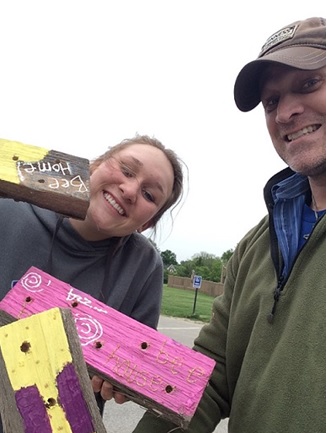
x=317 y=169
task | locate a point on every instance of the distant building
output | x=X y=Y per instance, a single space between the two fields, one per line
x=171 y=269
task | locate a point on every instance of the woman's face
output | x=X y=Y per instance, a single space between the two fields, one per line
x=128 y=190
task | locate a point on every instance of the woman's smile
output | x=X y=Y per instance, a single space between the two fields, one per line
x=109 y=198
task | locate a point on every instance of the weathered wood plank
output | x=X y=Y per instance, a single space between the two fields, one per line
x=152 y=369
x=44 y=382
x=47 y=178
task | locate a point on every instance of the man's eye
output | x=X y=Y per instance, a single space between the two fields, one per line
x=269 y=104
x=311 y=84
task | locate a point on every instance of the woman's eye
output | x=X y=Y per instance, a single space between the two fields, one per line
x=148 y=196
x=126 y=171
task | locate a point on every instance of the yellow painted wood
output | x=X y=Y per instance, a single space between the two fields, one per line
x=44 y=337
x=11 y=151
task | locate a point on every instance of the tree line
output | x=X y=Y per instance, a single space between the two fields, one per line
x=209 y=266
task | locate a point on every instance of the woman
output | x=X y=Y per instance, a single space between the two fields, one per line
x=131 y=186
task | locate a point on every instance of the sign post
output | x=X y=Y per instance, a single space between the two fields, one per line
x=197 y=280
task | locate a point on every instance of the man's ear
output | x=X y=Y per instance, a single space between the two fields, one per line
x=145 y=226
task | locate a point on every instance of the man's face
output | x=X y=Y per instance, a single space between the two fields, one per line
x=295 y=108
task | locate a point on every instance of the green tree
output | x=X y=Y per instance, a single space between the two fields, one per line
x=168 y=258
x=215 y=270
x=209 y=266
x=185 y=268
x=227 y=255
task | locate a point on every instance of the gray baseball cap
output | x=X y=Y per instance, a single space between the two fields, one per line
x=301 y=45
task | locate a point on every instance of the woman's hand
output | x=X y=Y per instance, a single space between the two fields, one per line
x=107 y=391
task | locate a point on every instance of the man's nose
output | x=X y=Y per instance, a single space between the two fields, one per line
x=288 y=106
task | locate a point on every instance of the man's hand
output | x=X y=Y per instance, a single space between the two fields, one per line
x=107 y=391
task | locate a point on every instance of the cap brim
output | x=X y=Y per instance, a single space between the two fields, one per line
x=247 y=84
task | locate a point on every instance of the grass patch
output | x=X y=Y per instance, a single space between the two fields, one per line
x=180 y=303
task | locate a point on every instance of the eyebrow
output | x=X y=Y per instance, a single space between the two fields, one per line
x=140 y=164
x=137 y=161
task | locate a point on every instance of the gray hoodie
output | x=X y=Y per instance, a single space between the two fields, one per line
x=125 y=273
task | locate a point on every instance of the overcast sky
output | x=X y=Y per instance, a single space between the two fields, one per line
x=79 y=76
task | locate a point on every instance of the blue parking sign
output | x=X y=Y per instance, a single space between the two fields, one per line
x=197 y=280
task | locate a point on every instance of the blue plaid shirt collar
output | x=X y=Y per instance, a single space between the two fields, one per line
x=289 y=197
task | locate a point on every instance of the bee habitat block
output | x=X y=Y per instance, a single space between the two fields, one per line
x=150 y=368
x=44 y=382
x=46 y=178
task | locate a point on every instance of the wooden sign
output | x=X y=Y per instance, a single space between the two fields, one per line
x=46 y=178
x=150 y=368
x=44 y=382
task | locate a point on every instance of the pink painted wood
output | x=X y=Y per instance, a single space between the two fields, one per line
x=153 y=370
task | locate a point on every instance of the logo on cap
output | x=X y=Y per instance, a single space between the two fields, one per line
x=278 y=37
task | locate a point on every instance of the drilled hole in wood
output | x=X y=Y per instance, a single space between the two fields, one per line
x=41 y=180
x=28 y=299
x=144 y=345
x=25 y=347
x=74 y=304
x=169 y=389
x=51 y=402
x=15 y=158
x=98 y=345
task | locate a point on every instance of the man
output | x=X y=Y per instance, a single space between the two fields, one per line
x=267 y=333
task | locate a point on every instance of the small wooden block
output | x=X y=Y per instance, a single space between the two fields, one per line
x=150 y=368
x=46 y=178
x=44 y=382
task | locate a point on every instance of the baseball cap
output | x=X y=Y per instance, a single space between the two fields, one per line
x=301 y=45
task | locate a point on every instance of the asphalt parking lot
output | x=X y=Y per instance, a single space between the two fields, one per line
x=123 y=418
